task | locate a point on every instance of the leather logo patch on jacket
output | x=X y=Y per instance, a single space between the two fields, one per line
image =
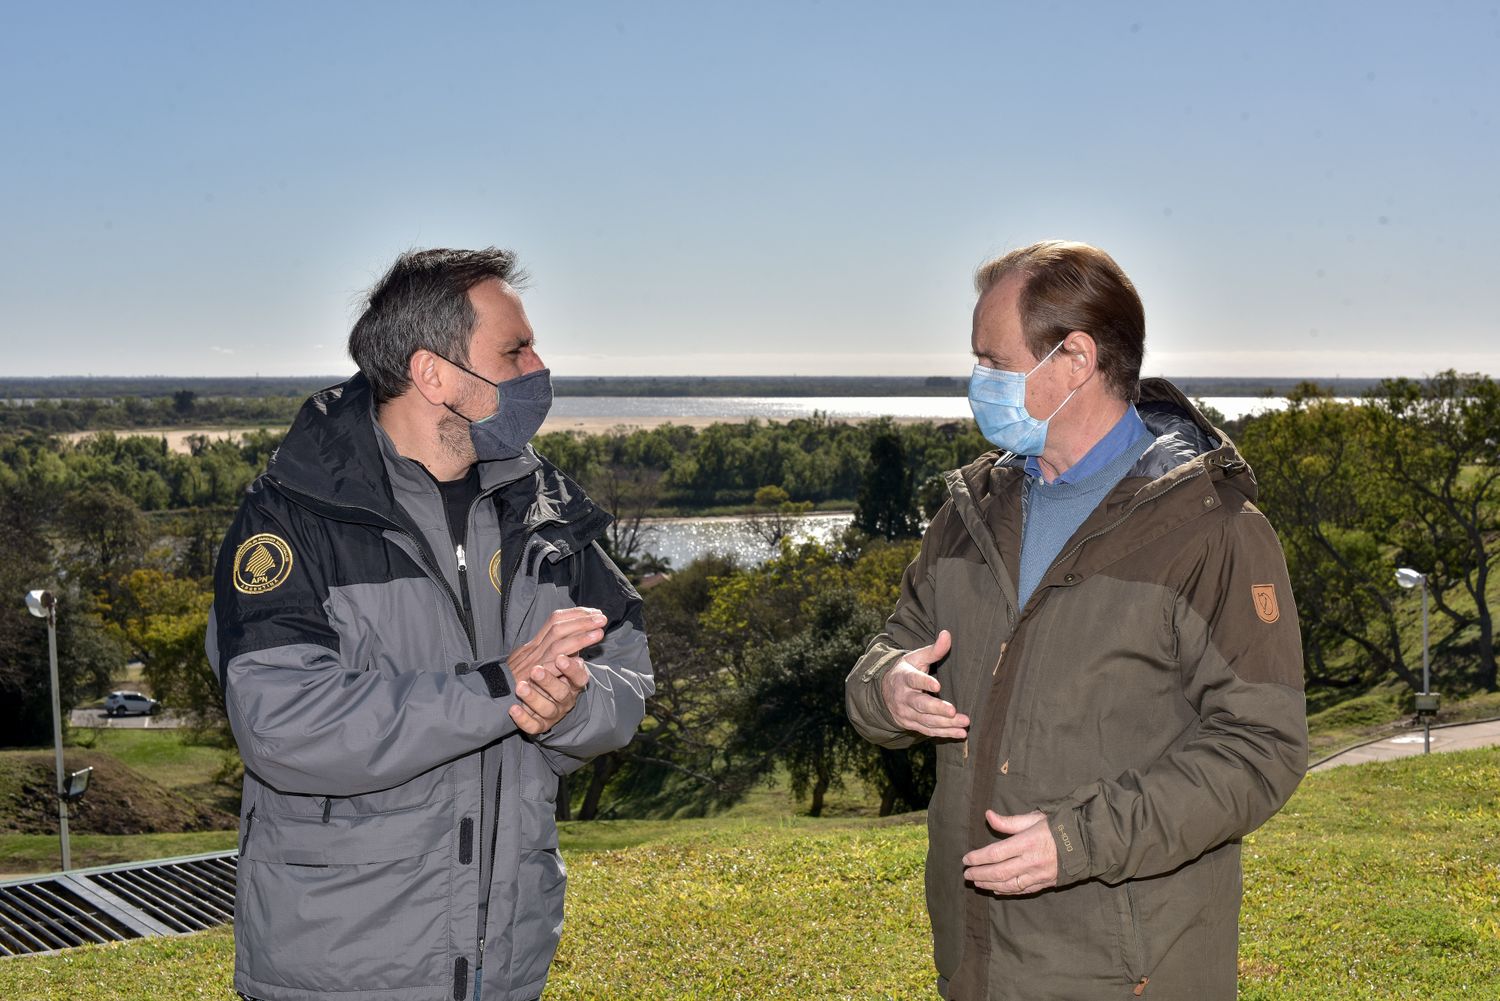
x=262 y=563
x=1264 y=596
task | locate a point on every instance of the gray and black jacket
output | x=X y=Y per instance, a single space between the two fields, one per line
x=397 y=831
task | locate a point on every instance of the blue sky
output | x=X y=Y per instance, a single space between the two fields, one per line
x=717 y=188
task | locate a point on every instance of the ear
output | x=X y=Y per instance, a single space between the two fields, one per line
x=1081 y=358
x=429 y=378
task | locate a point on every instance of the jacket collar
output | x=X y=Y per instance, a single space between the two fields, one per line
x=1186 y=444
x=337 y=455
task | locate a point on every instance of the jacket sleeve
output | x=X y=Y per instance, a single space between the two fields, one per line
x=304 y=719
x=1240 y=654
x=910 y=627
x=612 y=705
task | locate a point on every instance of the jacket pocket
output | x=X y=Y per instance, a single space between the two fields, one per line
x=1132 y=946
x=540 y=881
x=353 y=903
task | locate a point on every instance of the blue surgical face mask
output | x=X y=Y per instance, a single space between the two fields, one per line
x=522 y=405
x=998 y=399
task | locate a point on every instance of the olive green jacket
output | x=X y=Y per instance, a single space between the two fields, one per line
x=1148 y=698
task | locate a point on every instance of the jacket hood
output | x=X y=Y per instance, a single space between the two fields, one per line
x=337 y=456
x=1186 y=445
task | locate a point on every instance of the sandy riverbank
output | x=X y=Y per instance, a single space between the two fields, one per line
x=177 y=438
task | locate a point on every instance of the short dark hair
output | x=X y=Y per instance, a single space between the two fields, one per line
x=423 y=302
x=1073 y=286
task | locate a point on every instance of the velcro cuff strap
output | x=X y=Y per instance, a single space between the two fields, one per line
x=495 y=677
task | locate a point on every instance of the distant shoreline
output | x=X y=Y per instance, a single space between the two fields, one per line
x=14 y=390
x=177 y=438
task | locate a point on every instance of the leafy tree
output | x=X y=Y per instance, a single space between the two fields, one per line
x=887 y=505
x=106 y=538
x=87 y=653
x=628 y=493
x=776 y=514
x=1314 y=465
x=673 y=765
x=1439 y=456
x=791 y=712
x=166 y=630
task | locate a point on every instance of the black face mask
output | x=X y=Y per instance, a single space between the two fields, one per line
x=522 y=405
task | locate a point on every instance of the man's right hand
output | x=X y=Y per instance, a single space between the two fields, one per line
x=549 y=676
x=909 y=690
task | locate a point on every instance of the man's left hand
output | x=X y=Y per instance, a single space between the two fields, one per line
x=547 y=693
x=1023 y=862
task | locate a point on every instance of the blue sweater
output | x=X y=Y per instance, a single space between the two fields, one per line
x=1055 y=510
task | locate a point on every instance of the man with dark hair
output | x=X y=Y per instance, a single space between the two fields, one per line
x=417 y=633
x=1099 y=634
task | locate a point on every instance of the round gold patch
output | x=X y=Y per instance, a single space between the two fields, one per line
x=262 y=563
x=495 y=571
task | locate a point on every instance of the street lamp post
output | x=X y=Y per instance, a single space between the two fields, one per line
x=43 y=604
x=1426 y=705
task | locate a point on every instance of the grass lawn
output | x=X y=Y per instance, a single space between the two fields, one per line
x=1376 y=881
x=21 y=854
x=161 y=755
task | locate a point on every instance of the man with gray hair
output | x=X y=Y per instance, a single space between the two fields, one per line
x=1099 y=634
x=417 y=633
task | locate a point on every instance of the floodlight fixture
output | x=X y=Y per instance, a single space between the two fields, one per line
x=1409 y=578
x=78 y=784
x=40 y=603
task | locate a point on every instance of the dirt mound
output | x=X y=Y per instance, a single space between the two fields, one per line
x=120 y=799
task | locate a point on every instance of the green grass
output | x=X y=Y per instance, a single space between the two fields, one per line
x=21 y=854
x=162 y=755
x=1377 y=881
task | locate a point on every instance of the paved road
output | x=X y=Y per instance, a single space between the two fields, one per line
x=1455 y=737
x=96 y=718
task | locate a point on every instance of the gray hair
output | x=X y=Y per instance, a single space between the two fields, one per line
x=422 y=302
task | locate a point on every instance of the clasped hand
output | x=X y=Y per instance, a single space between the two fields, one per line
x=548 y=671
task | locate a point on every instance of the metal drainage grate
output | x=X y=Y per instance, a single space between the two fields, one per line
x=46 y=915
x=114 y=903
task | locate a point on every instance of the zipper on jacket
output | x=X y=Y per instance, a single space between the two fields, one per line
x=327 y=808
x=249 y=823
x=427 y=564
x=463 y=591
x=1140 y=988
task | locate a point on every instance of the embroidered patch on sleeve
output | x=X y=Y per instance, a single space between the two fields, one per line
x=262 y=563
x=495 y=571
x=1264 y=596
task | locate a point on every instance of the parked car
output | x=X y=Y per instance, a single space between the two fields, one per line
x=124 y=703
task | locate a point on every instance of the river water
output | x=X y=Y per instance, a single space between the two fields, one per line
x=656 y=409
x=683 y=540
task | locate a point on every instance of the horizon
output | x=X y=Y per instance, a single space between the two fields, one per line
x=790 y=377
